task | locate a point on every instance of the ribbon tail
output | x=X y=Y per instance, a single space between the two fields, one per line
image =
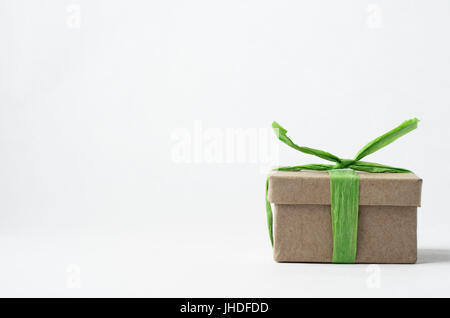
x=280 y=132
x=269 y=213
x=387 y=138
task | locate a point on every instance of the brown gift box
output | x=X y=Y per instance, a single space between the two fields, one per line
x=387 y=217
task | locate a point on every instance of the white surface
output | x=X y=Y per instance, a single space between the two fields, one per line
x=93 y=201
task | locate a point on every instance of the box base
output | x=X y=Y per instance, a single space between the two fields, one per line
x=386 y=234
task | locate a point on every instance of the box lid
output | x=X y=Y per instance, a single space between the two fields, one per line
x=313 y=187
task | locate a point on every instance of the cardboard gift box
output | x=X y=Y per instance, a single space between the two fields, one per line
x=387 y=217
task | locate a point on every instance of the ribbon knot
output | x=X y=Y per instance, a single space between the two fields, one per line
x=344 y=163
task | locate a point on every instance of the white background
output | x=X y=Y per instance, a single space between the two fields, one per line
x=92 y=202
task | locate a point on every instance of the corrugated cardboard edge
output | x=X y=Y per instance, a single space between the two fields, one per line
x=313 y=187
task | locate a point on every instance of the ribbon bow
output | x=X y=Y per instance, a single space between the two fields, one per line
x=348 y=164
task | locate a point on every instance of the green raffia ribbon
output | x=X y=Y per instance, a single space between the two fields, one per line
x=344 y=185
x=344 y=189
